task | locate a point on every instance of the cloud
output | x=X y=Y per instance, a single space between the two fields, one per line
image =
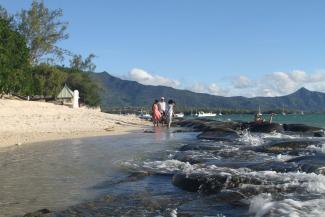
x=212 y=88
x=279 y=83
x=242 y=82
x=146 y=78
x=271 y=84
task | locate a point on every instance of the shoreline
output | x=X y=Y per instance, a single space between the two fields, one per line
x=26 y=122
x=23 y=139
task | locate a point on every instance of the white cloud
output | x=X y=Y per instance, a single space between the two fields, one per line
x=144 y=77
x=212 y=88
x=280 y=83
x=272 y=84
x=242 y=82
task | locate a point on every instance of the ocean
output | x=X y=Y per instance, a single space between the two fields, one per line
x=163 y=172
x=317 y=120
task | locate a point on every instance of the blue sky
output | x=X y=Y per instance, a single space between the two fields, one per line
x=227 y=47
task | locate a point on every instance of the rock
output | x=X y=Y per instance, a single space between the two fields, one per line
x=300 y=128
x=310 y=164
x=265 y=127
x=229 y=196
x=276 y=166
x=39 y=213
x=199 y=182
x=208 y=184
x=290 y=145
x=209 y=125
x=201 y=147
x=319 y=134
x=220 y=134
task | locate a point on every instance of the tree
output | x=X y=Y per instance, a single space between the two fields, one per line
x=42 y=29
x=83 y=65
x=48 y=80
x=88 y=90
x=14 y=56
x=5 y=15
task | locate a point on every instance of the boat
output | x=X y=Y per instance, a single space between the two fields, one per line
x=203 y=114
x=179 y=115
x=145 y=116
x=283 y=113
x=259 y=111
x=220 y=114
x=302 y=113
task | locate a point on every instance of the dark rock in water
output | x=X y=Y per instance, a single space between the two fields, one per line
x=209 y=125
x=319 y=134
x=265 y=127
x=218 y=126
x=201 y=146
x=290 y=145
x=228 y=196
x=220 y=134
x=211 y=183
x=276 y=166
x=199 y=182
x=310 y=164
x=300 y=128
x=40 y=213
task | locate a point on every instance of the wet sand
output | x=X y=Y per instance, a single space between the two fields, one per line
x=25 y=122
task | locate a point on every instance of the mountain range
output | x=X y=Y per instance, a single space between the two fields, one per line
x=118 y=93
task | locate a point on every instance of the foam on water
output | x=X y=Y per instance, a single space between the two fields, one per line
x=263 y=205
x=251 y=139
x=257 y=139
x=169 y=166
x=320 y=148
x=311 y=182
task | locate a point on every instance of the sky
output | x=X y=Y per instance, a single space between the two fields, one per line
x=221 y=47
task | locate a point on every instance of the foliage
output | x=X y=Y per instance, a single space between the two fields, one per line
x=83 y=65
x=48 y=80
x=20 y=53
x=43 y=30
x=5 y=15
x=88 y=90
x=14 y=55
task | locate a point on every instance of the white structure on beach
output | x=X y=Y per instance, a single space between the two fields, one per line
x=75 y=99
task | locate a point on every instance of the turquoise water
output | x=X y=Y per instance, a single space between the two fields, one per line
x=317 y=120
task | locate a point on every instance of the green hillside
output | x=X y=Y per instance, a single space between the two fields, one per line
x=117 y=93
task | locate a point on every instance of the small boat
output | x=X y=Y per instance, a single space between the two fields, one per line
x=283 y=113
x=179 y=115
x=259 y=111
x=145 y=116
x=203 y=114
x=220 y=114
x=302 y=113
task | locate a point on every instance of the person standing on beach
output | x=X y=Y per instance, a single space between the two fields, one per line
x=162 y=109
x=156 y=116
x=170 y=112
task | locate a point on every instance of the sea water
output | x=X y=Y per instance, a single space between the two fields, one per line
x=131 y=175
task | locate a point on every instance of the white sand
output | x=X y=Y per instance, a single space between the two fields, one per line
x=24 y=122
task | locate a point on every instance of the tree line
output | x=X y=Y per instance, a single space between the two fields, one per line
x=30 y=57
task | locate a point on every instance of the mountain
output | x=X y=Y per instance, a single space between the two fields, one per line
x=116 y=92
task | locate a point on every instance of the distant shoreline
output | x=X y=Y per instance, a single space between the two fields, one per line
x=25 y=122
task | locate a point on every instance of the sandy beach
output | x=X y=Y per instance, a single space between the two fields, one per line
x=25 y=122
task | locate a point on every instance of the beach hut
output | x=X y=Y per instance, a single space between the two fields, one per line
x=65 y=95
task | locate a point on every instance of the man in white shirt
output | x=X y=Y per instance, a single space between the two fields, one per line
x=162 y=109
